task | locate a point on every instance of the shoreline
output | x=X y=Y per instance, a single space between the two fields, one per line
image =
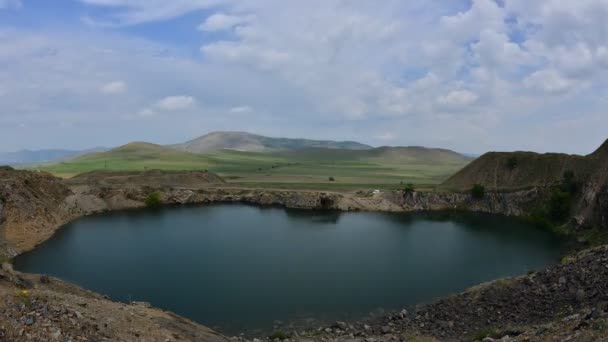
x=40 y=204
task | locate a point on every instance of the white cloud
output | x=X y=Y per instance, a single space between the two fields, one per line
x=317 y=66
x=549 y=81
x=131 y=12
x=458 y=98
x=115 y=87
x=241 y=109
x=483 y=15
x=257 y=56
x=176 y=103
x=221 y=21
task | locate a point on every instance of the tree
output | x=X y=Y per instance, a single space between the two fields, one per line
x=409 y=188
x=478 y=191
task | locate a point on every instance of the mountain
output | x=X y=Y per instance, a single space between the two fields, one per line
x=242 y=141
x=380 y=155
x=41 y=156
x=310 y=167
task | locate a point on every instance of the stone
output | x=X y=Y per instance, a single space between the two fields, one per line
x=30 y=320
x=340 y=325
x=562 y=280
x=44 y=279
x=386 y=329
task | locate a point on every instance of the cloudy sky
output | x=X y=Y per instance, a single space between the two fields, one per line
x=467 y=75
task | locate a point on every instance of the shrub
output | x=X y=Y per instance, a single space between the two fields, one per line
x=512 y=163
x=569 y=183
x=332 y=179
x=278 y=335
x=154 y=200
x=559 y=205
x=478 y=191
x=409 y=188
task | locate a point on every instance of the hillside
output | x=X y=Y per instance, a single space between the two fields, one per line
x=384 y=167
x=384 y=155
x=136 y=156
x=241 y=141
x=517 y=170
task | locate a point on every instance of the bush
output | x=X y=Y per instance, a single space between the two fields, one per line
x=332 y=179
x=409 y=188
x=478 y=191
x=278 y=335
x=154 y=200
x=512 y=163
x=569 y=183
x=559 y=205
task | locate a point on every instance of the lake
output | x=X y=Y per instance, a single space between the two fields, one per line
x=237 y=267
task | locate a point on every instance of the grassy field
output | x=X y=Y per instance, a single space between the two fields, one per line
x=308 y=169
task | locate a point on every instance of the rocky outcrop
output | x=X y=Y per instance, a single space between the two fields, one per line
x=42 y=308
x=567 y=302
x=516 y=203
x=33 y=204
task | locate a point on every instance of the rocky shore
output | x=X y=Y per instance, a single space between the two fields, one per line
x=567 y=301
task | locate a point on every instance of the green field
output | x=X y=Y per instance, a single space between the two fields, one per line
x=307 y=169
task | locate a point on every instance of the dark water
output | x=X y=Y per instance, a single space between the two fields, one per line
x=239 y=267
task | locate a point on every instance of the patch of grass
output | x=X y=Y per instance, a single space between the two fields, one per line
x=480 y=335
x=154 y=200
x=278 y=335
x=596 y=237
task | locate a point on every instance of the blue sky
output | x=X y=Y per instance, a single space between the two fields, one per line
x=472 y=76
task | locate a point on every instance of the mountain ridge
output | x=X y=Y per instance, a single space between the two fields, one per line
x=244 y=141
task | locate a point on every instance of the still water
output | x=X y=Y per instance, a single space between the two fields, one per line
x=238 y=267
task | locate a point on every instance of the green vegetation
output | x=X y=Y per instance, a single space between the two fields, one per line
x=480 y=335
x=478 y=191
x=383 y=168
x=154 y=200
x=278 y=335
x=557 y=209
x=409 y=188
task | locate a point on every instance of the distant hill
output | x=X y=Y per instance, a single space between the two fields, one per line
x=135 y=156
x=41 y=156
x=307 y=167
x=241 y=141
x=381 y=155
x=516 y=170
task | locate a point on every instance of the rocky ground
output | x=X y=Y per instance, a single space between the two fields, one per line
x=41 y=308
x=567 y=302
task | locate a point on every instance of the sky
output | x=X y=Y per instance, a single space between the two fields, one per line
x=472 y=76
